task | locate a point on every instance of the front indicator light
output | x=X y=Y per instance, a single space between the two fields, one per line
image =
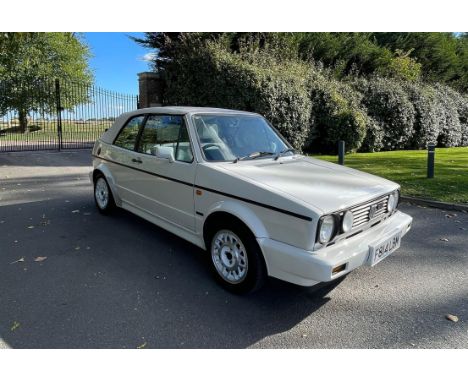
x=338 y=269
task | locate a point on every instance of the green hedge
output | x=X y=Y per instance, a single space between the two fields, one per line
x=463 y=114
x=448 y=104
x=337 y=115
x=426 y=123
x=412 y=115
x=374 y=139
x=312 y=109
x=210 y=76
x=389 y=105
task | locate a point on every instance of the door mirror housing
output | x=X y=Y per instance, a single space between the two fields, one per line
x=163 y=152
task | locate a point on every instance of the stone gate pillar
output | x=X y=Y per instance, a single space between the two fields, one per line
x=150 y=93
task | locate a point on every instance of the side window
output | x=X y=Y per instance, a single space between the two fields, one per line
x=128 y=135
x=168 y=131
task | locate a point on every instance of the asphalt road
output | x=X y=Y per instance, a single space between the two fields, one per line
x=120 y=282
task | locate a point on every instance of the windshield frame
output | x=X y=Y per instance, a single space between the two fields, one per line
x=221 y=114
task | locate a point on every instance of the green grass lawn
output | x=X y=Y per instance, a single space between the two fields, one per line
x=409 y=168
x=47 y=131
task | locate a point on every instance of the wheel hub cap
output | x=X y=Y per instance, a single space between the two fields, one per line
x=229 y=256
x=102 y=193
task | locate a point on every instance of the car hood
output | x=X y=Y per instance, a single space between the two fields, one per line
x=325 y=186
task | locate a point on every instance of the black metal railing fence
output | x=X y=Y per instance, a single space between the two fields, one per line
x=55 y=115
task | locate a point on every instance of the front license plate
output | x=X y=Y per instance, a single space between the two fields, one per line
x=380 y=251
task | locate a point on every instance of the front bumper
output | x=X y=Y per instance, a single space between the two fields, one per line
x=307 y=268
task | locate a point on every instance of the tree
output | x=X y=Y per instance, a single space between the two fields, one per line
x=402 y=67
x=438 y=53
x=462 y=52
x=343 y=52
x=432 y=57
x=29 y=63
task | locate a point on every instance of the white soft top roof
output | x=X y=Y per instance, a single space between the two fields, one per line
x=110 y=134
x=185 y=110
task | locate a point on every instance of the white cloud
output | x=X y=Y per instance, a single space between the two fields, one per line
x=148 y=57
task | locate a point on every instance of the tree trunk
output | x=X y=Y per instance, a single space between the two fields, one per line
x=23 y=120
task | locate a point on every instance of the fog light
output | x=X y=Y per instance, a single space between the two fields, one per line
x=338 y=269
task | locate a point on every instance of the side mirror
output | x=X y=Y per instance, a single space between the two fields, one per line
x=163 y=152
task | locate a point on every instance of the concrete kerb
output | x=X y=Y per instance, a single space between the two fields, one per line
x=435 y=204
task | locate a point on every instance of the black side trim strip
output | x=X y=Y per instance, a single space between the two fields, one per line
x=199 y=213
x=146 y=172
x=299 y=216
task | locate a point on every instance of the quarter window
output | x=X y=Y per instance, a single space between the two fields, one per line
x=128 y=135
x=168 y=131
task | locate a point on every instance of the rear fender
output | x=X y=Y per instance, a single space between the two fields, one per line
x=104 y=169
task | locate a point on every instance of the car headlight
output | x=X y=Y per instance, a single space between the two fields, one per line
x=392 y=202
x=347 y=222
x=327 y=229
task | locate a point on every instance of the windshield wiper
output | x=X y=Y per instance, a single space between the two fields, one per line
x=255 y=154
x=284 y=152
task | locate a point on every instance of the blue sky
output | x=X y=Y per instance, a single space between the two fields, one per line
x=116 y=60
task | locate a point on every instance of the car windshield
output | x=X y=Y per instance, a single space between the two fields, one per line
x=235 y=137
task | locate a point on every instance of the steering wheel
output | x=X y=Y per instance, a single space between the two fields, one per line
x=219 y=154
x=208 y=145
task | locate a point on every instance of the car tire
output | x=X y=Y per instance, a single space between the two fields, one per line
x=103 y=195
x=236 y=258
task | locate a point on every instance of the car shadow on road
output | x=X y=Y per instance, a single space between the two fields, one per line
x=119 y=282
x=191 y=310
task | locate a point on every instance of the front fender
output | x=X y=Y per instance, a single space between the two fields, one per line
x=242 y=212
x=104 y=169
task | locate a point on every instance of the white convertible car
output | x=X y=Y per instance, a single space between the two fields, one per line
x=228 y=182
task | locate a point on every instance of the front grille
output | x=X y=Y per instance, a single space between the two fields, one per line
x=369 y=211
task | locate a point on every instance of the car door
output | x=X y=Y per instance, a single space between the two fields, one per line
x=164 y=187
x=125 y=160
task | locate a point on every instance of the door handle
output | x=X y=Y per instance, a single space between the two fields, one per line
x=137 y=160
